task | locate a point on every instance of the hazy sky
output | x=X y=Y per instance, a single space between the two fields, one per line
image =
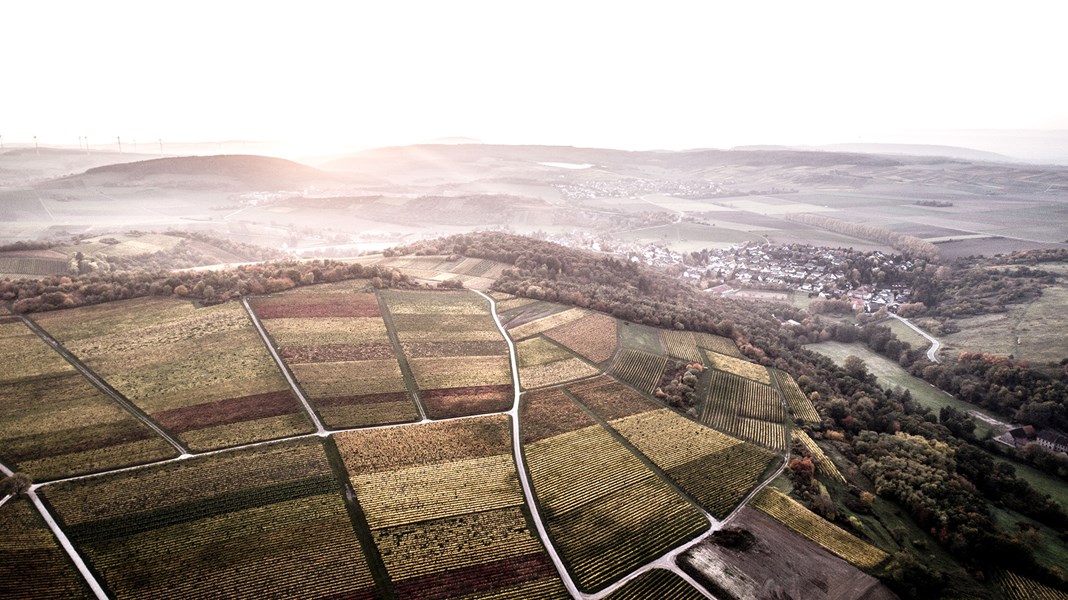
x=649 y=75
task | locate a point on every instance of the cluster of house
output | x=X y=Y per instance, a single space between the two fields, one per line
x=633 y=188
x=1051 y=440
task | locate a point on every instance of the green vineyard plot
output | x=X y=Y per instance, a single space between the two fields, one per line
x=267 y=521
x=202 y=373
x=446 y=511
x=338 y=349
x=606 y=512
x=54 y=423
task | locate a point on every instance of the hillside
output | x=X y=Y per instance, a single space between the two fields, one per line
x=257 y=172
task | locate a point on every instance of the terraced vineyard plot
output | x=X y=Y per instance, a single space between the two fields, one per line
x=1018 y=587
x=542 y=363
x=810 y=525
x=446 y=510
x=739 y=367
x=824 y=465
x=611 y=399
x=640 y=369
x=54 y=423
x=594 y=336
x=546 y=323
x=606 y=512
x=746 y=409
x=800 y=406
x=203 y=373
x=717 y=344
x=435 y=329
x=715 y=469
x=337 y=347
x=681 y=344
x=32 y=564
x=657 y=583
x=262 y=522
x=513 y=303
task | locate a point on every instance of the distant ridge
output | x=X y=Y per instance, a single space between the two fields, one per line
x=249 y=169
x=957 y=152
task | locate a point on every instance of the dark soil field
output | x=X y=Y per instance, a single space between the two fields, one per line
x=780 y=561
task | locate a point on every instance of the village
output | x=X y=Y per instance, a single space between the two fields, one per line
x=870 y=281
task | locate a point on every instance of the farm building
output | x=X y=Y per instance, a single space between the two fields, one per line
x=1053 y=441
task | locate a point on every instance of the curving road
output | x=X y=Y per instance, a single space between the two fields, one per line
x=517 y=452
x=932 y=352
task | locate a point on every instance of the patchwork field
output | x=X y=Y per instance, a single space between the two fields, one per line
x=715 y=469
x=457 y=355
x=810 y=525
x=543 y=363
x=54 y=423
x=268 y=521
x=446 y=511
x=202 y=373
x=335 y=342
x=746 y=409
x=606 y=512
x=32 y=565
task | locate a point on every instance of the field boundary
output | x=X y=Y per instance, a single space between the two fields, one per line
x=360 y=526
x=402 y=358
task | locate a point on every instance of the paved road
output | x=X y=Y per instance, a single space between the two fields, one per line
x=932 y=352
x=517 y=451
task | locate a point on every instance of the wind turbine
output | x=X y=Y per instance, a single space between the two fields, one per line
x=118 y=141
x=36 y=148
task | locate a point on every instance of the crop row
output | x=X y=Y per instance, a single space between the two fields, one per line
x=824 y=465
x=556 y=373
x=657 y=583
x=252 y=523
x=746 y=409
x=594 y=336
x=1018 y=587
x=715 y=469
x=739 y=367
x=605 y=510
x=450 y=505
x=513 y=303
x=640 y=369
x=476 y=268
x=611 y=536
x=77 y=430
x=190 y=481
x=338 y=304
x=24 y=265
x=340 y=353
x=718 y=344
x=810 y=525
x=436 y=491
x=461 y=371
x=167 y=355
x=550 y=412
x=546 y=323
x=610 y=399
x=669 y=439
x=528 y=577
x=800 y=405
x=681 y=344
x=402 y=302
x=31 y=563
x=304 y=547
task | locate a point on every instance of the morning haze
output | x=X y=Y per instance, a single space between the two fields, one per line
x=533 y=301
